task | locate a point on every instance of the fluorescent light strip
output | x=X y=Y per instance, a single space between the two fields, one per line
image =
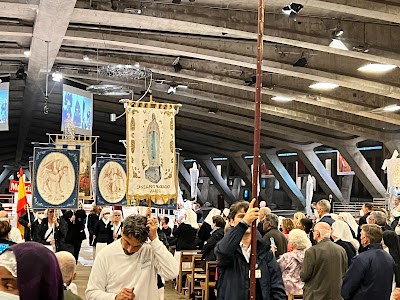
x=282 y=98
x=323 y=86
x=376 y=68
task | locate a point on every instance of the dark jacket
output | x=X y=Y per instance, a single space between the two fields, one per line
x=24 y=221
x=280 y=241
x=103 y=233
x=186 y=236
x=60 y=232
x=68 y=295
x=204 y=232
x=327 y=219
x=76 y=228
x=208 y=250
x=362 y=221
x=91 y=224
x=323 y=267
x=370 y=275
x=349 y=248
x=260 y=228
x=233 y=269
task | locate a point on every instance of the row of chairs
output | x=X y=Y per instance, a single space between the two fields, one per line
x=200 y=275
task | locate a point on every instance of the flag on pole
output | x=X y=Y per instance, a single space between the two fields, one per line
x=22 y=201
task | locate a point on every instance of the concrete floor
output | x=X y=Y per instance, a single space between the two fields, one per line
x=85 y=265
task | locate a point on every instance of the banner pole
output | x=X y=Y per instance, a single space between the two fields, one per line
x=256 y=149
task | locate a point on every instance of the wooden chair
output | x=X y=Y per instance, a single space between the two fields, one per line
x=197 y=274
x=211 y=269
x=185 y=266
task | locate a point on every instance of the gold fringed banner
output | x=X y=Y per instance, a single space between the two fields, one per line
x=150 y=152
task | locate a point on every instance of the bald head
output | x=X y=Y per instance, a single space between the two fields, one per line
x=3 y=214
x=322 y=231
x=67 y=265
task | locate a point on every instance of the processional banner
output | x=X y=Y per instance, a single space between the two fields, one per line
x=110 y=181
x=151 y=158
x=85 y=162
x=55 y=178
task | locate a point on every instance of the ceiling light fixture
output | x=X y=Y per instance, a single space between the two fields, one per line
x=171 y=90
x=213 y=111
x=361 y=48
x=337 y=32
x=302 y=62
x=377 y=68
x=85 y=57
x=292 y=10
x=124 y=71
x=250 y=81
x=57 y=76
x=109 y=90
x=282 y=98
x=323 y=86
x=391 y=108
x=338 y=44
x=27 y=53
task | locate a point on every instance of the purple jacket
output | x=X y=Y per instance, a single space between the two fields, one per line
x=290 y=264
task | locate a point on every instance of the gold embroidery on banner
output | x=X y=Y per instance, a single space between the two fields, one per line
x=171 y=124
x=143 y=164
x=162 y=163
x=134 y=174
x=171 y=146
x=132 y=124
x=133 y=146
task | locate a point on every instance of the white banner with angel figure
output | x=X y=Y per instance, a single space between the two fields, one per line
x=151 y=153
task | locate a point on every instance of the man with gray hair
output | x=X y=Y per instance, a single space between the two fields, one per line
x=323 y=209
x=379 y=218
x=128 y=268
x=323 y=266
x=67 y=264
x=263 y=212
x=273 y=235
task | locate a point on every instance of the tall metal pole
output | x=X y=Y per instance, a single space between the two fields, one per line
x=256 y=150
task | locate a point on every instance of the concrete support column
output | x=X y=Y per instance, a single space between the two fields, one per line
x=317 y=169
x=362 y=169
x=282 y=175
x=347 y=184
x=393 y=144
x=240 y=165
x=209 y=167
x=184 y=176
x=236 y=187
x=4 y=175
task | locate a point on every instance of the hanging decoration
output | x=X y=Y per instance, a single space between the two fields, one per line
x=194 y=179
x=125 y=71
x=109 y=90
x=110 y=181
x=151 y=157
x=55 y=178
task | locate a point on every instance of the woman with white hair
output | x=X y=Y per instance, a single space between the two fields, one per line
x=186 y=232
x=342 y=236
x=117 y=222
x=103 y=234
x=291 y=262
x=349 y=219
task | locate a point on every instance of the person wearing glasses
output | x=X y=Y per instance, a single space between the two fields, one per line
x=117 y=223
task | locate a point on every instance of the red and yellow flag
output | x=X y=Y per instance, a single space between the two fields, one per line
x=22 y=201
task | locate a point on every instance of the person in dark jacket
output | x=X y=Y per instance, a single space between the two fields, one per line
x=323 y=209
x=53 y=230
x=271 y=228
x=205 y=230
x=186 y=232
x=370 y=275
x=364 y=213
x=165 y=228
x=391 y=241
x=36 y=224
x=93 y=218
x=379 y=218
x=216 y=235
x=27 y=221
x=233 y=256
x=103 y=229
x=76 y=226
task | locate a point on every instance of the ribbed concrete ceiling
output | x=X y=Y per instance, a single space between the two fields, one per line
x=216 y=43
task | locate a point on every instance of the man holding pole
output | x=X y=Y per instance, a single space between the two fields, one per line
x=233 y=259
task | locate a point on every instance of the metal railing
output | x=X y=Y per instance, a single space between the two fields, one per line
x=354 y=207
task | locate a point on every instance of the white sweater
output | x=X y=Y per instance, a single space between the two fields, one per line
x=113 y=270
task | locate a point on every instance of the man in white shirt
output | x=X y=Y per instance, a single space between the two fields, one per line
x=128 y=268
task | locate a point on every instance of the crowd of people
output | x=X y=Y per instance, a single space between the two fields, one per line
x=324 y=256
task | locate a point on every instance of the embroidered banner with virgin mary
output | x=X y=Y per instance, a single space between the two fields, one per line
x=150 y=148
